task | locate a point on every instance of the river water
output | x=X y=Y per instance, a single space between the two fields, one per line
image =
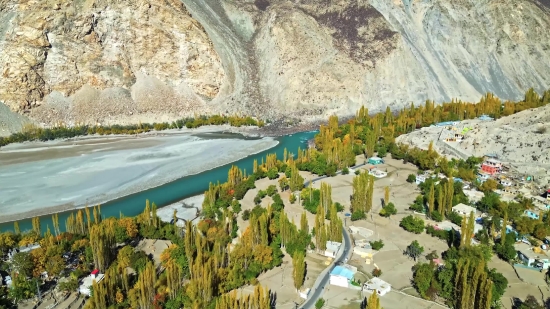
x=179 y=189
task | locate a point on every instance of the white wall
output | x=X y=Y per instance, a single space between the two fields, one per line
x=339 y=281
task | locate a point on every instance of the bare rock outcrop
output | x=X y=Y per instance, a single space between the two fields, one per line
x=331 y=56
x=110 y=61
x=102 y=60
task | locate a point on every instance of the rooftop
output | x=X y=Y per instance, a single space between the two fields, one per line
x=464 y=208
x=527 y=250
x=333 y=246
x=342 y=271
x=377 y=284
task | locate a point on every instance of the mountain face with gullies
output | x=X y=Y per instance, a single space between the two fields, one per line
x=109 y=61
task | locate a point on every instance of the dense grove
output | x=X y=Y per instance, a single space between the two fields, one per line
x=204 y=267
x=34 y=133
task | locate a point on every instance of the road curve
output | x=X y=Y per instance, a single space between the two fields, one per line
x=323 y=279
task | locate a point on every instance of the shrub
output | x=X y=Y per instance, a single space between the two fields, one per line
x=292 y=198
x=377 y=272
x=411 y=178
x=273 y=173
x=272 y=189
x=455 y=218
x=345 y=171
x=320 y=303
x=418 y=204
x=246 y=215
x=388 y=210
x=358 y=215
x=357 y=172
x=540 y=130
x=377 y=245
x=412 y=224
x=436 y=216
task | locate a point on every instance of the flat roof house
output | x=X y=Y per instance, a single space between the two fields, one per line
x=464 y=210
x=376 y=284
x=531 y=258
x=342 y=275
x=88 y=281
x=332 y=248
x=375 y=160
x=491 y=166
x=531 y=214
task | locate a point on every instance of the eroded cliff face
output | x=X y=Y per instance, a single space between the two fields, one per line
x=105 y=61
x=302 y=59
x=333 y=56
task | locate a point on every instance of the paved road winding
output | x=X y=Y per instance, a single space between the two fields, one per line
x=323 y=278
x=322 y=281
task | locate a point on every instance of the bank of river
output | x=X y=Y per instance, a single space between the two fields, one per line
x=179 y=189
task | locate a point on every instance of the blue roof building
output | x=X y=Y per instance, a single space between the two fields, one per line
x=342 y=275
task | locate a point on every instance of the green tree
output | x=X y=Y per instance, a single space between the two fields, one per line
x=23 y=264
x=299 y=269
x=388 y=210
x=377 y=244
x=412 y=224
x=414 y=250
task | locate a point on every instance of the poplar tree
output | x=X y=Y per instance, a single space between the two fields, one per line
x=386 y=195
x=36 y=225
x=450 y=194
x=146 y=286
x=320 y=229
x=16 y=228
x=363 y=188
x=326 y=196
x=299 y=270
x=374 y=301
x=234 y=176
x=303 y=222
x=431 y=199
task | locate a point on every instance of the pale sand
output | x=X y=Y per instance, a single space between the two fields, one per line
x=113 y=169
x=193 y=204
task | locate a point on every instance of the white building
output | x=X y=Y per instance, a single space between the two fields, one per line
x=342 y=275
x=332 y=248
x=464 y=210
x=304 y=292
x=88 y=281
x=531 y=258
x=376 y=284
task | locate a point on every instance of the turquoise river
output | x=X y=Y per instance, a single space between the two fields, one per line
x=176 y=190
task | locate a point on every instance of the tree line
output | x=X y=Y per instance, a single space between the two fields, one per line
x=34 y=133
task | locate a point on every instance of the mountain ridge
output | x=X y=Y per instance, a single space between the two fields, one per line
x=268 y=58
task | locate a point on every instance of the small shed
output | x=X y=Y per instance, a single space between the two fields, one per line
x=375 y=160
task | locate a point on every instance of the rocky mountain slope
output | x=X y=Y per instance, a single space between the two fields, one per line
x=147 y=60
x=103 y=61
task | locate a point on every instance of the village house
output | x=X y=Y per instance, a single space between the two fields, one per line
x=491 y=166
x=530 y=257
x=540 y=202
x=88 y=281
x=332 y=249
x=342 y=275
x=376 y=284
x=531 y=214
x=463 y=209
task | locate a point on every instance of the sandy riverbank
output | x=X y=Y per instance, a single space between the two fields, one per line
x=63 y=175
x=186 y=209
